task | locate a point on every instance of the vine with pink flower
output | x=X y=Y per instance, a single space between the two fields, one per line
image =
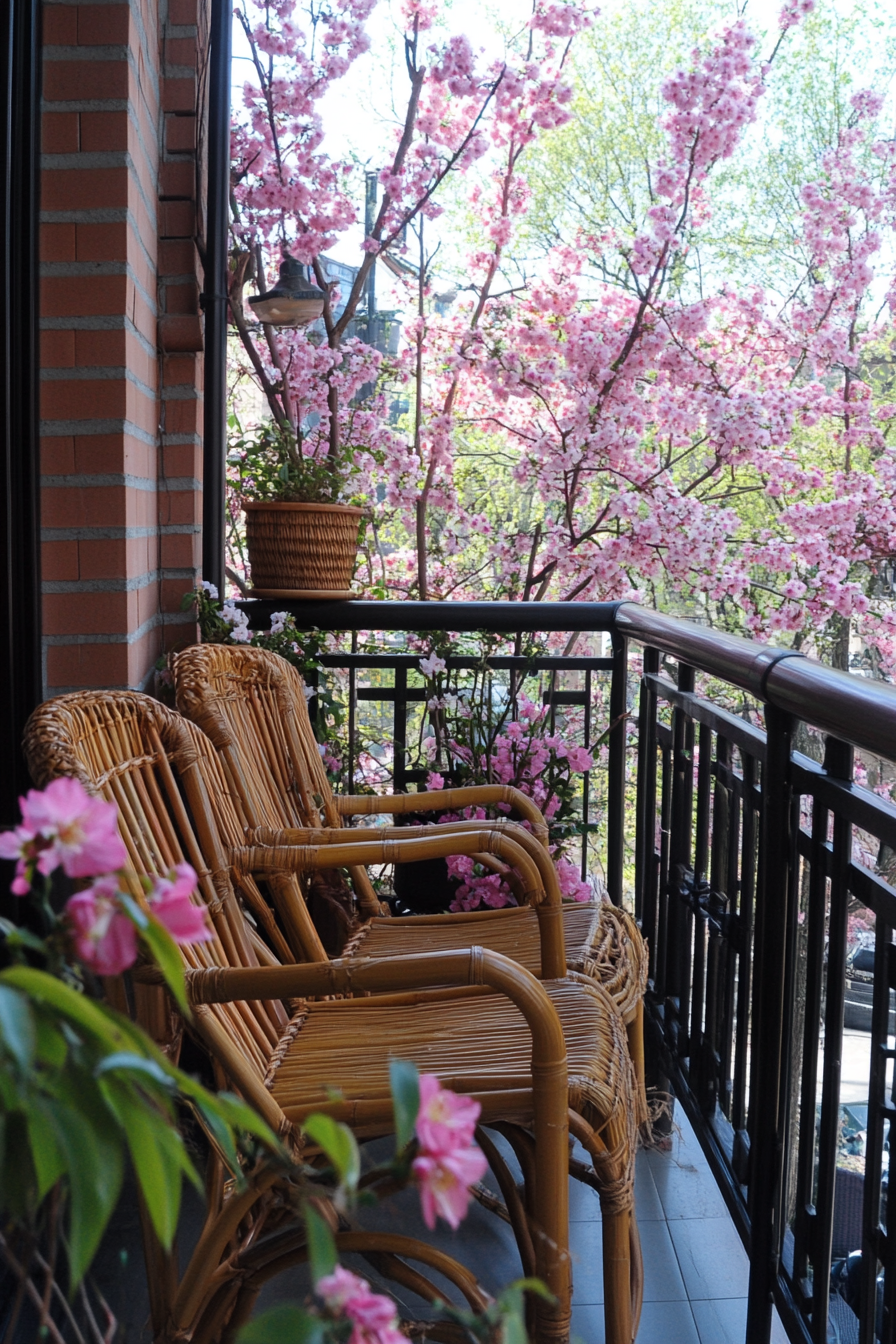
x=486 y=730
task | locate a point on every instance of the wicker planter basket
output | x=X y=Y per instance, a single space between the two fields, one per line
x=302 y=546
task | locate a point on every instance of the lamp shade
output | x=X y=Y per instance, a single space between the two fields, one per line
x=293 y=302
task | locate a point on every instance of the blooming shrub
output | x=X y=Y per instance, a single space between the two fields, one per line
x=475 y=740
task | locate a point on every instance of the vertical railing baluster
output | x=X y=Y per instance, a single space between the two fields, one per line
x=616 y=770
x=874 y=1144
x=678 y=917
x=697 y=1016
x=745 y=916
x=662 y=885
x=352 y=718
x=775 y=859
x=838 y=764
x=718 y=903
x=806 y=1249
x=400 y=729
x=646 y=811
x=728 y=932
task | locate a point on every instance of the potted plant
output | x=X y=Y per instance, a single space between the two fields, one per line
x=302 y=530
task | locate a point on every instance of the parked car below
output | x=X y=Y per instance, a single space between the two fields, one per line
x=859 y=992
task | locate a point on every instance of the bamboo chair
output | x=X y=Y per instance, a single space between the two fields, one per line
x=251 y=704
x=269 y=1030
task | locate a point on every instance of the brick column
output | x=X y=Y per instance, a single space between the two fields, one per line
x=118 y=386
x=181 y=188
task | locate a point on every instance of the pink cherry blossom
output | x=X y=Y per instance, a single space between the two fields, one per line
x=104 y=937
x=63 y=826
x=444 y=1181
x=633 y=415
x=445 y=1120
x=170 y=903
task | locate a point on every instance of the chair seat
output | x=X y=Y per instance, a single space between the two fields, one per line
x=598 y=943
x=478 y=1044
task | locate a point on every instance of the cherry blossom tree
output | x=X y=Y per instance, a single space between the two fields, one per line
x=724 y=452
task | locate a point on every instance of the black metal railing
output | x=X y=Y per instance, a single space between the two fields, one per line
x=736 y=824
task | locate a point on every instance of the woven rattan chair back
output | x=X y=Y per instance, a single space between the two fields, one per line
x=251 y=704
x=154 y=765
x=249 y=701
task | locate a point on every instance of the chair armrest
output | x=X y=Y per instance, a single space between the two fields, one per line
x=340 y=835
x=539 y=877
x=446 y=800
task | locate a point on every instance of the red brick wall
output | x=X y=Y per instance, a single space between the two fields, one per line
x=121 y=334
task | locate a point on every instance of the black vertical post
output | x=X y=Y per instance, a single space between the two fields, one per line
x=215 y=295
x=678 y=926
x=645 y=821
x=772 y=917
x=20 y=593
x=838 y=763
x=616 y=770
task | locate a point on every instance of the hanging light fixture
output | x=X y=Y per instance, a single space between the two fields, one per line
x=293 y=302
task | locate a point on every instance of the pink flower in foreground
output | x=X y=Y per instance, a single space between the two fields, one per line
x=372 y=1315
x=104 y=937
x=72 y=829
x=170 y=902
x=19 y=844
x=444 y=1182
x=445 y=1121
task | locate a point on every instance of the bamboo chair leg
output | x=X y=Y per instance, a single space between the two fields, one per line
x=617 y=1262
x=551 y=1203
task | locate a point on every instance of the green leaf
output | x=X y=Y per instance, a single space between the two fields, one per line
x=17 y=937
x=123 y=1061
x=536 y=1286
x=159 y=1159
x=46 y=1146
x=51 y=1044
x=229 y=1109
x=338 y=1142
x=83 y=1012
x=404 y=1082
x=321 y=1246
x=92 y=1144
x=513 y=1326
x=17 y=1031
x=284 y=1324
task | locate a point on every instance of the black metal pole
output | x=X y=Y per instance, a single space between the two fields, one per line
x=616 y=771
x=20 y=593
x=215 y=295
x=770 y=953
